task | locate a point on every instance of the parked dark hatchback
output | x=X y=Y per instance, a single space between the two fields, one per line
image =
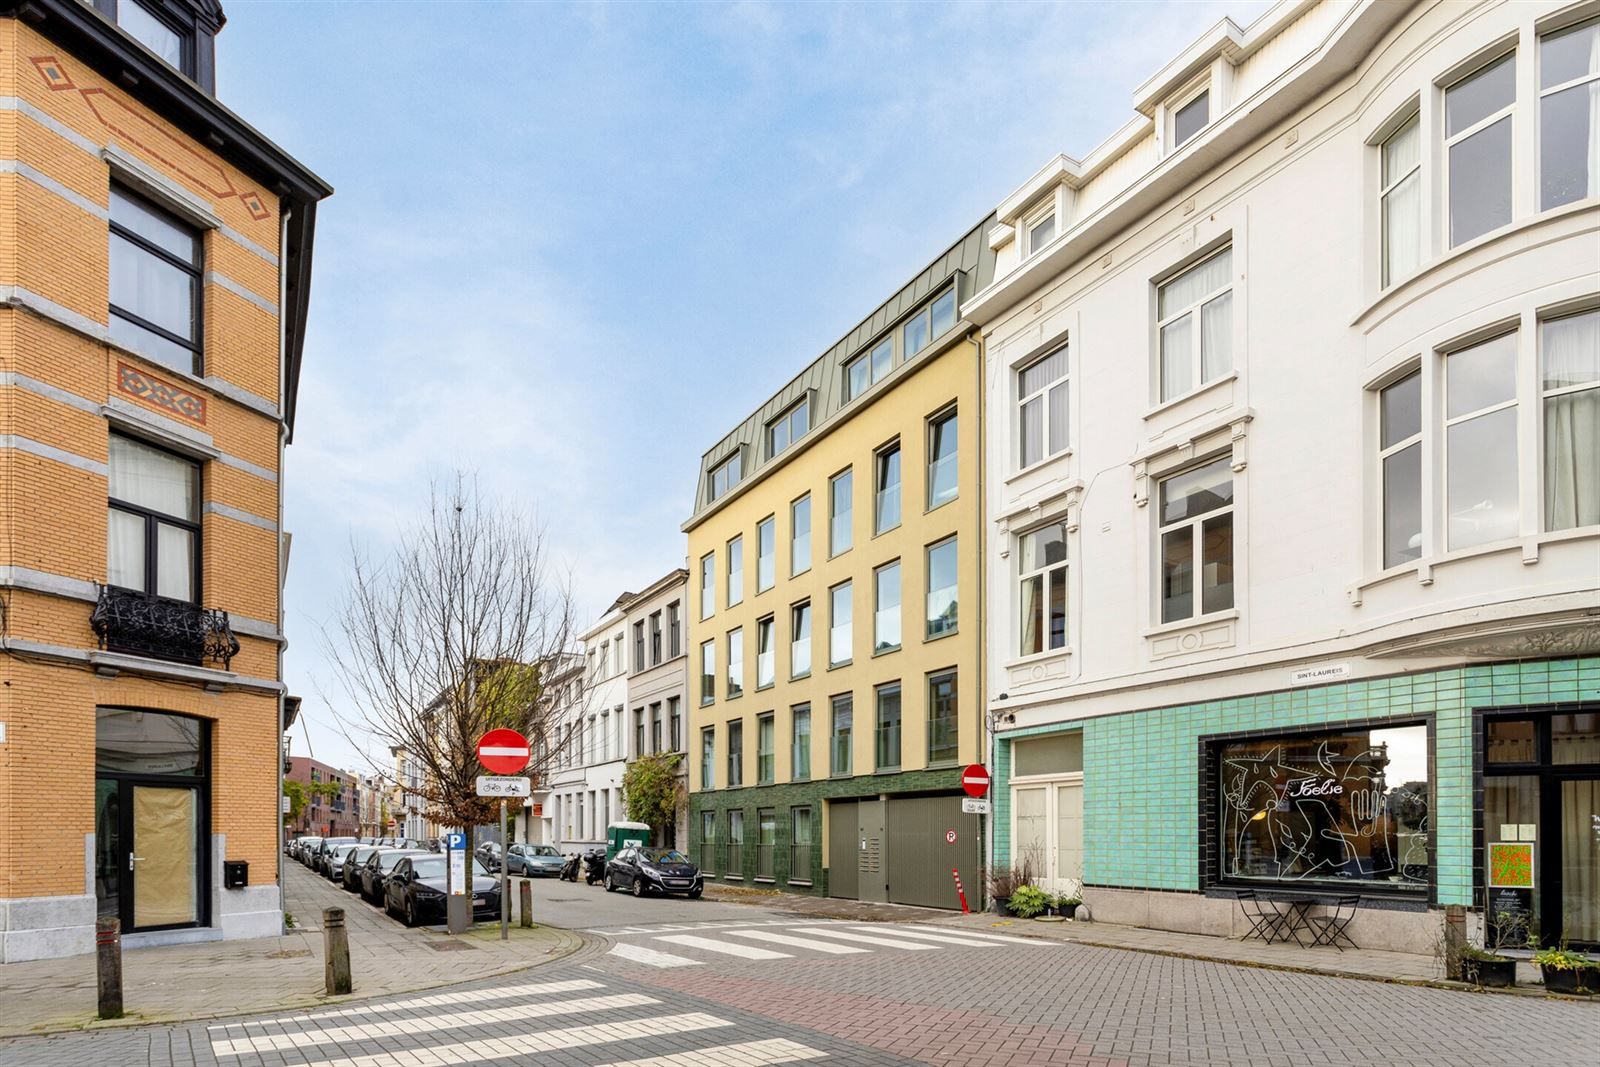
x=653 y=870
x=416 y=890
x=354 y=860
x=375 y=872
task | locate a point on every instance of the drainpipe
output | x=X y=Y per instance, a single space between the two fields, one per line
x=283 y=387
x=985 y=822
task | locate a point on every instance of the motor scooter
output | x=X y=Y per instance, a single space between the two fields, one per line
x=594 y=866
x=569 y=870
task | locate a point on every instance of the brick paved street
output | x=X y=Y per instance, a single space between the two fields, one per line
x=778 y=988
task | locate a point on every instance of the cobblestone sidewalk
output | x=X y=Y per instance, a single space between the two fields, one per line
x=270 y=974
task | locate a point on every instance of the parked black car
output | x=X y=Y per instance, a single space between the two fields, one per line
x=416 y=890
x=375 y=872
x=653 y=870
x=354 y=860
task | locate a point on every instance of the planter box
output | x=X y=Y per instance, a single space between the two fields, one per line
x=1491 y=974
x=1582 y=980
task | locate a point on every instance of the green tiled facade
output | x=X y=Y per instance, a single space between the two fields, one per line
x=782 y=798
x=1141 y=805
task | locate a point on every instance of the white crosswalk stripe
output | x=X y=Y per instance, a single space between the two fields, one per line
x=977 y=936
x=440 y=1000
x=542 y=1041
x=425 y=1024
x=649 y=956
x=748 y=1054
x=727 y=948
x=798 y=942
x=865 y=939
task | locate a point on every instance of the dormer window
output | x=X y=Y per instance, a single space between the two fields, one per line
x=789 y=427
x=726 y=475
x=1191 y=118
x=161 y=36
x=1041 y=231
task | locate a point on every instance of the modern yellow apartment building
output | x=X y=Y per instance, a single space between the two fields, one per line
x=155 y=262
x=834 y=616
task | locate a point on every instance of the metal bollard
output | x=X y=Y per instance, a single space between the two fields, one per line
x=525 y=891
x=108 y=966
x=335 y=952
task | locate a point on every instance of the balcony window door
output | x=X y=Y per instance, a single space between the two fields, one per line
x=153 y=537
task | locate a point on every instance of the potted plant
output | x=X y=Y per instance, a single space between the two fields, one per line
x=1488 y=969
x=1066 y=904
x=1003 y=881
x=1566 y=971
x=1028 y=901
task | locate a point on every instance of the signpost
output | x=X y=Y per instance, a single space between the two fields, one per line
x=975 y=783
x=505 y=752
x=975 y=779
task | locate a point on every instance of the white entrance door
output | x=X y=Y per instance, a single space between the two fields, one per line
x=1047 y=832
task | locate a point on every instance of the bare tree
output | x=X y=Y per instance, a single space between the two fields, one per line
x=453 y=636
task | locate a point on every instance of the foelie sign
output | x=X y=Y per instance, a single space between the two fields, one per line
x=1312 y=787
x=1328 y=672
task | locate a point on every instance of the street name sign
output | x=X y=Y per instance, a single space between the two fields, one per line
x=489 y=786
x=503 y=751
x=975 y=779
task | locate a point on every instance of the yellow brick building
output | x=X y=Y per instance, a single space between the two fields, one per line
x=155 y=256
x=835 y=627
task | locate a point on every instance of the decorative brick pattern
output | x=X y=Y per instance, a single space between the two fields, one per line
x=135 y=382
x=1141 y=770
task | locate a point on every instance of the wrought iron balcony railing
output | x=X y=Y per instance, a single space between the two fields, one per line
x=144 y=625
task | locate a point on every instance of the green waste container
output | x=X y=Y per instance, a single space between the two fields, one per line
x=619 y=835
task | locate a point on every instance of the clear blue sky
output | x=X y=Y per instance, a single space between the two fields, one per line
x=571 y=246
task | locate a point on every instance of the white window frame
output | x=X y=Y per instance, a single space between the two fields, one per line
x=1042 y=395
x=1047 y=576
x=1046 y=212
x=1197 y=544
x=1545 y=395
x=1542 y=32
x=1197 y=331
x=1446 y=421
x=1182 y=100
x=1420 y=439
x=1413 y=118
x=1448 y=140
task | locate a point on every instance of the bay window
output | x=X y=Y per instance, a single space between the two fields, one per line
x=1400 y=456
x=1477 y=139
x=1401 y=200
x=153 y=534
x=1569 y=114
x=1196 y=537
x=1194 y=313
x=1042 y=566
x=1569 y=358
x=1481 y=443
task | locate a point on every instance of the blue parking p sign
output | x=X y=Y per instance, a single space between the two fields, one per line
x=455 y=841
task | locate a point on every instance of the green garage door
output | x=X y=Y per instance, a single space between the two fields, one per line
x=921 y=854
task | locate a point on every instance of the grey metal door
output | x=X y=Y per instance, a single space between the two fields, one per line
x=842 y=849
x=921 y=854
x=872 y=847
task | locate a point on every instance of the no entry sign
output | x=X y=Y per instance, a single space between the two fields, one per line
x=975 y=780
x=503 y=751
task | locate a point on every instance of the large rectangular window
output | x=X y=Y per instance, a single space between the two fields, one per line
x=943 y=720
x=656 y=726
x=886 y=489
x=735 y=856
x=800 y=639
x=1400 y=454
x=708 y=842
x=801 y=836
x=1197 y=538
x=886 y=608
x=708 y=585
x=1569 y=356
x=1195 y=322
x=943 y=599
x=841 y=512
x=860 y=373
x=639 y=663
x=1042 y=588
x=766 y=841
x=1348 y=808
x=708 y=672
x=735 y=753
x=675 y=722
x=153 y=535
x=766 y=749
x=943 y=476
x=766 y=653
x=929 y=322
x=1478 y=116
x=736 y=570
x=800 y=742
x=708 y=758
x=674 y=631
x=840 y=631
x=726 y=475
x=655 y=638
x=1401 y=200
x=156 y=269
x=887 y=735
x=1042 y=414
x=735 y=680
x=839 y=750
x=789 y=427
x=1481 y=443
x=1569 y=115
x=800 y=536
x=766 y=553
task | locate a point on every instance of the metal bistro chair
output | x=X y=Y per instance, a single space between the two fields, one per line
x=1266 y=920
x=1330 y=927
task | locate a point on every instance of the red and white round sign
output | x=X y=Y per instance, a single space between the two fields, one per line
x=503 y=751
x=950 y=837
x=975 y=780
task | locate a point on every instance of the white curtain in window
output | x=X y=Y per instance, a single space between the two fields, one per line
x=125 y=550
x=153 y=479
x=1570 y=349
x=174 y=562
x=1195 y=283
x=1216 y=338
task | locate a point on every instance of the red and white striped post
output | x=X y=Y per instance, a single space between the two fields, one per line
x=962 y=893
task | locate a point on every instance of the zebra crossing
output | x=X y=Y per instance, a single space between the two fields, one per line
x=664 y=946
x=503 y=1023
